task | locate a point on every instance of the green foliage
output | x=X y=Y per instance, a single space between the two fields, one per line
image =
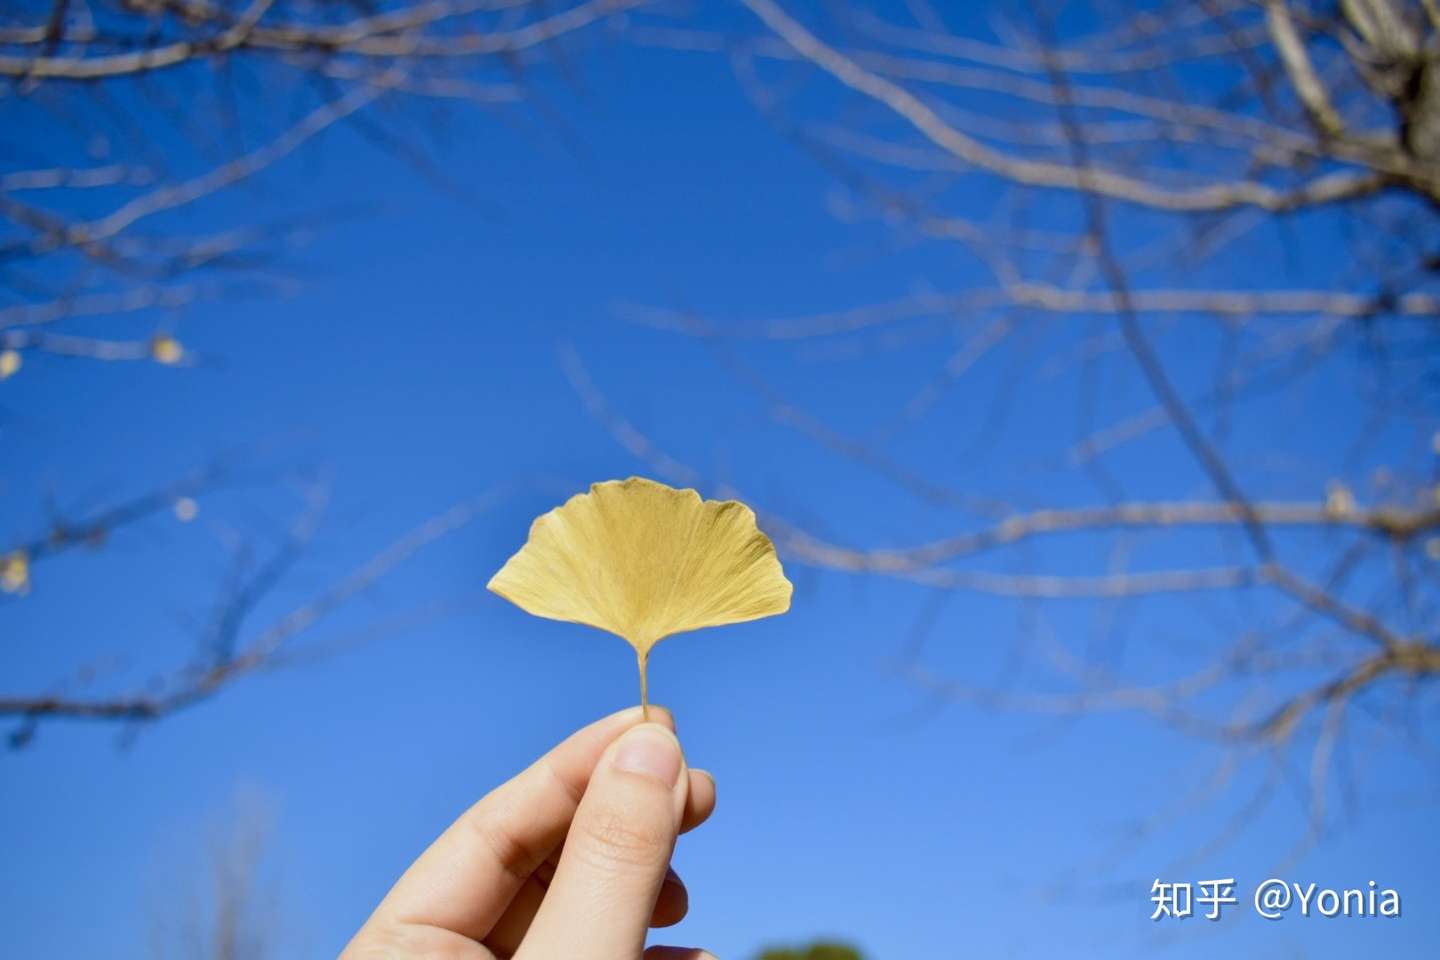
x=820 y=950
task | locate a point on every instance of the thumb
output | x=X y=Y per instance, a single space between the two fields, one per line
x=616 y=854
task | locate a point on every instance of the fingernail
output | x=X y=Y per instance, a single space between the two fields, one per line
x=650 y=751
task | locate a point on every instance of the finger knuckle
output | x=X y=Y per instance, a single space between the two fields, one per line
x=615 y=838
x=515 y=855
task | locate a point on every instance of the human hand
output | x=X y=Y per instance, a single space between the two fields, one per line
x=567 y=861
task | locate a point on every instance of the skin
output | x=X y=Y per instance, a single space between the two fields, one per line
x=570 y=859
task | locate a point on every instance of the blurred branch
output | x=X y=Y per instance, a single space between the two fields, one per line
x=226 y=909
x=95 y=528
x=95 y=304
x=1320 y=190
x=144 y=138
x=398 y=33
x=236 y=647
x=94 y=236
x=1390 y=523
x=125 y=171
x=1240 y=304
x=1296 y=59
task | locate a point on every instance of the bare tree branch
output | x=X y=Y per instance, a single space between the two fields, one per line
x=245 y=649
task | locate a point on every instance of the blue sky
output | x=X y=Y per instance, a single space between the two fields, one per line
x=418 y=365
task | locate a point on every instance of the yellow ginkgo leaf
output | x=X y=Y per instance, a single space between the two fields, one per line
x=166 y=349
x=644 y=561
x=15 y=572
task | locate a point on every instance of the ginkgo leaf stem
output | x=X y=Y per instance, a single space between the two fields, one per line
x=641 y=656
